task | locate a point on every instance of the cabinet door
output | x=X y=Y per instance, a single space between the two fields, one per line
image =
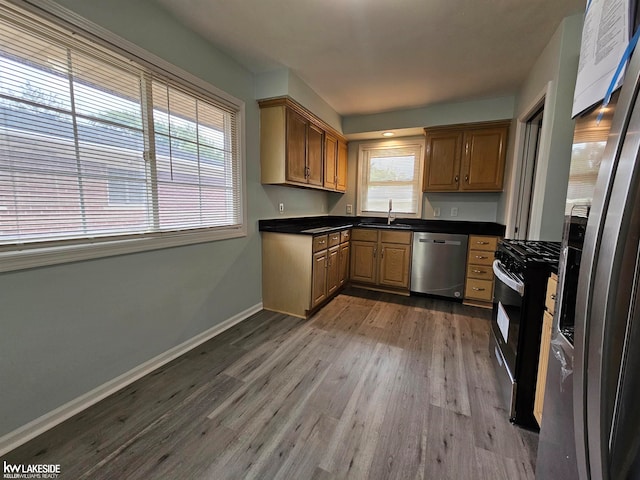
x=442 y=161
x=395 y=265
x=543 y=366
x=343 y=151
x=363 y=261
x=344 y=263
x=315 y=147
x=319 y=280
x=330 y=161
x=483 y=159
x=333 y=270
x=296 y=147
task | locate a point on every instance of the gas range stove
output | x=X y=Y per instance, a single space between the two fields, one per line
x=520 y=256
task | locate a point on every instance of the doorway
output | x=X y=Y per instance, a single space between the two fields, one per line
x=533 y=129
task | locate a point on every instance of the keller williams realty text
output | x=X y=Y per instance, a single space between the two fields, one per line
x=30 y=471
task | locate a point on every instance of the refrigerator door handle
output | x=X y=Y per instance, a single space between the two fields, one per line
x=598 y=281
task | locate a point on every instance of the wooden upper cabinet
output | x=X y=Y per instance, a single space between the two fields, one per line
x=484 y=158
x=469 y=157
x=330 y=161
x=296 y=164
x=315 y=147
x=299 y=149
x=442 y=166
x=341 y=182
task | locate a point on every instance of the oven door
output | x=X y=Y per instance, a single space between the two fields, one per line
x=505 y=328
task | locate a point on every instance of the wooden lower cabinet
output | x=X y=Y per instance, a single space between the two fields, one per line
x=545 y=346
x=381 y=258
x=319 y=283
x=345 y=251
x=301 y=272
x=395 y=264
x=478 y=288
x=333 y=270
x=363 y=261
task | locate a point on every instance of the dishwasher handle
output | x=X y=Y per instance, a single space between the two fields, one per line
x=439 y=242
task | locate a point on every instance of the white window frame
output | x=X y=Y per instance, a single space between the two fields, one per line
x=20 y=257
x=363 y=151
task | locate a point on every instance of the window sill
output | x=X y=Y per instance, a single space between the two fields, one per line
x=53 y=255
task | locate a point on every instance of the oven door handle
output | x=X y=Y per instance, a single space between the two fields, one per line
x=502 y=275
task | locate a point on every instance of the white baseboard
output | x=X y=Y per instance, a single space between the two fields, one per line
x=49 y=420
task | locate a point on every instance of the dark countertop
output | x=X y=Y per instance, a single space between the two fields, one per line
x=326 y=224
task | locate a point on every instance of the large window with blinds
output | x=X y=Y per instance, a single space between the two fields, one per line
x=95 y=147
x=390 y=173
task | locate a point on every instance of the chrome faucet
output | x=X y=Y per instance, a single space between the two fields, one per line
x=390 y=218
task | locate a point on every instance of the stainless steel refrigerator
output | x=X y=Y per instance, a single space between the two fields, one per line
x=591 y=418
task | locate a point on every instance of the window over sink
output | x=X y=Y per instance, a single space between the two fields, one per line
x=389 y=174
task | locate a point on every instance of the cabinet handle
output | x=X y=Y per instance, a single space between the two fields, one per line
x=382 y=254
x=477 y=289
x=553 y=296
x=375 y=251
x=480 y=242
x=321 y=242
x=457 y=179
x=479 y=271
x=466 y=178
x=481 y=257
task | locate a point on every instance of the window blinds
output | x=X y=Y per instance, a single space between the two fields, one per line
x=95 y=146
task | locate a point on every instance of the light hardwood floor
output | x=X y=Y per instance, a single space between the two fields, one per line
x=374 y=386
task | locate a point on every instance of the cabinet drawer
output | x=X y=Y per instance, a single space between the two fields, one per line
x=334 y=239
x=395 y=237
x=477 y=242
x=364 y=235
x=550 y=301
x=345 y=235
x=319 y=243
x=481 y=257
x=481 y=272
x=479 y=289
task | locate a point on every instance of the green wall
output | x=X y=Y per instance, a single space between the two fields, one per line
x=70 y=328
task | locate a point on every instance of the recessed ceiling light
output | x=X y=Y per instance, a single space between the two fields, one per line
x=388 y=134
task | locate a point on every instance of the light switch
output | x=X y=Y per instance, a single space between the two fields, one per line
x=349 y=209
x=436 y=212
x=454 y=211
x=281 y=207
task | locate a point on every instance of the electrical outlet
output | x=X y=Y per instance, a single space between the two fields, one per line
x=454 y=211
x=436 y=212
x=349 y=209
x=281 y=207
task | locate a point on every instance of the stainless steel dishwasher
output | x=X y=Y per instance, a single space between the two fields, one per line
x=439 y=263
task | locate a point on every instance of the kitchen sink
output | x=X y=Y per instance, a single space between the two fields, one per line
x=393 y=226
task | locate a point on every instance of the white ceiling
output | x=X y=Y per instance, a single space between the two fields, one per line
x=365 y=56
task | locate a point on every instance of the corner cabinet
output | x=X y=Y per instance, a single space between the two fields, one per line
x=299 y=149
x=469 y=157
x=301 y=272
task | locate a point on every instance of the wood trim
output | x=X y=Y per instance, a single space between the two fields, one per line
x=291 y=103
x=469 y=126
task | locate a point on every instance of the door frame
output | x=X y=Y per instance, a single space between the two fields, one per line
x=541 y=100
